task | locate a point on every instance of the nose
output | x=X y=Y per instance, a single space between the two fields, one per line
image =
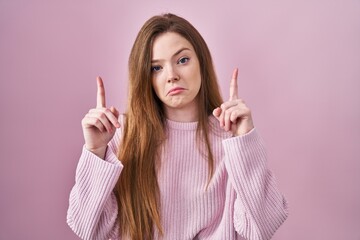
x=172 y=75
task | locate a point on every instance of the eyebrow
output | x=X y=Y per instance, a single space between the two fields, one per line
x=177 y=52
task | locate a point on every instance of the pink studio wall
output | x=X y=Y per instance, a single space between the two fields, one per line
x=299 y=67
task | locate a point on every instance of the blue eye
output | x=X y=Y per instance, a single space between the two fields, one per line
x=183 y=60
x=155 y=68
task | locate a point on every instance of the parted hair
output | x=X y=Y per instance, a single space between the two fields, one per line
x=137 y=190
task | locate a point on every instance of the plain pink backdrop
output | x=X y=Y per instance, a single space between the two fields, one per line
x=299 y=67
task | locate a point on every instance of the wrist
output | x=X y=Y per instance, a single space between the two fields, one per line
x=100 y=151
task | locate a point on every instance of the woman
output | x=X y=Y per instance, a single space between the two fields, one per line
x=181 y=163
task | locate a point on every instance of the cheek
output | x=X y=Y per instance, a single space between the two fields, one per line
x=156 y=86
x=196 y=74
x=198 y=79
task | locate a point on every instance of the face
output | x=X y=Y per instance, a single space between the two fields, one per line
x=175 y=69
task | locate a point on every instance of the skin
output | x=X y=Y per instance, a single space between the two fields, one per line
x=99 y=123
x=233 y=115
x=174 y=64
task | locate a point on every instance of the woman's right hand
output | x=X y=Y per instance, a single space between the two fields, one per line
x=100 y=123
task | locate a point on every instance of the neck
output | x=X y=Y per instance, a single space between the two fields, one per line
x=186 y=114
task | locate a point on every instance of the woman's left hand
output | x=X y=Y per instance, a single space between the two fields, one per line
x=234 y=115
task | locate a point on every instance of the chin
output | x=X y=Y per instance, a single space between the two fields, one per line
x=175 y=105
x=179 y=102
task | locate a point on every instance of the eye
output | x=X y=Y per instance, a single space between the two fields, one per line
x=183 y=60
x=155 y=68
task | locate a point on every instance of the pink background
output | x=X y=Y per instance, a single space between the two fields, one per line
x=299 y=67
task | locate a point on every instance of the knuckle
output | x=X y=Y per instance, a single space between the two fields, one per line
x=97 y=121
x=227 y=113
x=240 y=100
x=107 y=111
x=102 y=115
x=85 y=119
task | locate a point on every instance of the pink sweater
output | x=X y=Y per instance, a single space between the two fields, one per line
x=242 y=200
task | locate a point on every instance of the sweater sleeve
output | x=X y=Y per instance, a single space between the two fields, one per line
x=259 y=208
x=92 y=211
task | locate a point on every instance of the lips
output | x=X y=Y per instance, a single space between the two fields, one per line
x=175 y=90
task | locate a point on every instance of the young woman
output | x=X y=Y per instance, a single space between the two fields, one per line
x=180 y=163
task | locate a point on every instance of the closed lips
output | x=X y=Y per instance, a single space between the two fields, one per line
x=175 y=89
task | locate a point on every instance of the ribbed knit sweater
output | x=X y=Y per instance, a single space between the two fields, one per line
x=241 y=201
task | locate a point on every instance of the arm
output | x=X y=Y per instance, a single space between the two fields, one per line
x=93 y=209
x=260 y=208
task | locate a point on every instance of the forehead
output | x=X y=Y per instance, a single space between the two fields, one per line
x=166 y=44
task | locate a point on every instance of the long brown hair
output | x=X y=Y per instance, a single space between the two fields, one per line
x=137 y=190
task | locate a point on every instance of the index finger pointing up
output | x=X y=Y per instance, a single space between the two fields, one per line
x=233 y=85
x=100 y=101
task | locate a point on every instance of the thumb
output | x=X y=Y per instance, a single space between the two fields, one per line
x=217 y=113
x=115 y=111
